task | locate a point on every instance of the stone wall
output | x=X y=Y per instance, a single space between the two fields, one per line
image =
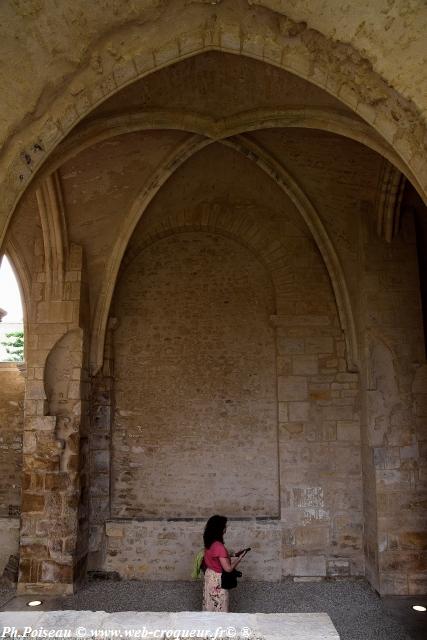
x=52 y=551
x=164 y=550
x=174 y=339
x=195 y=382
x=12 y=382
x=282 y=223
x=320 y=483
x=396 y=411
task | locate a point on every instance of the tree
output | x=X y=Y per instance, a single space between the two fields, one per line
x=14 y=345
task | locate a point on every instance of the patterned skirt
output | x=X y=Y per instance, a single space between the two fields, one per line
x=214 y=598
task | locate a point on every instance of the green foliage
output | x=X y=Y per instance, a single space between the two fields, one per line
x=14 y=345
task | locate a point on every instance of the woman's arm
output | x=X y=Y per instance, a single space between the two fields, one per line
x=228 y=565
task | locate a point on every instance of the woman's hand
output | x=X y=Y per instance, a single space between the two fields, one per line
x=228 y=565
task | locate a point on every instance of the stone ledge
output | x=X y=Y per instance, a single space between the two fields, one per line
x=251 y=626
x=9 y=365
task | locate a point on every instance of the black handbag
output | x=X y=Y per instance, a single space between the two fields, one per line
x=229 y=579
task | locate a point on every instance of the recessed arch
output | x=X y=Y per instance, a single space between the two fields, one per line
x=291 y=188
x=284 y=180
x=167 y=168
x=225 y=355
x=252 y=237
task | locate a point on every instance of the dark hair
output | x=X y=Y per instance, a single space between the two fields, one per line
x=214 y=530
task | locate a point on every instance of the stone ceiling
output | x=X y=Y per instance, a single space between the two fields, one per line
x=60 y=61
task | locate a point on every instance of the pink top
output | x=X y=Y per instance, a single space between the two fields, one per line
x=212 y=555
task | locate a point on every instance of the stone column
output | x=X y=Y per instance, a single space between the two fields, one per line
x=102 y=411
x=54 y=418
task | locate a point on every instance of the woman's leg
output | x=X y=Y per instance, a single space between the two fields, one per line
x=214 y=598
x=206 y=598
x=225 y=600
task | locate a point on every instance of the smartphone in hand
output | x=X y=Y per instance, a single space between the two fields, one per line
x=243 y=551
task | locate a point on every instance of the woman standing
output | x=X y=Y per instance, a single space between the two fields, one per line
x=216 y=559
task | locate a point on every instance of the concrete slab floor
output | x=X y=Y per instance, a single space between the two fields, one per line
x=355 y=609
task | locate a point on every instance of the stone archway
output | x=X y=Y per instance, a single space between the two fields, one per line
x=277 y=173
x=281 y=43
x=127 y=54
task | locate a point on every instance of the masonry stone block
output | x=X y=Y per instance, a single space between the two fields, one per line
x=33 y=502
x=312 y=538
x=304 y=566
x=290 y=346
x=338 y=567
x=298 y=411
x=55 y=311
x=305 y=365
x=292 y=388
x=319 y=345
x=35 y=390
x=348 y=430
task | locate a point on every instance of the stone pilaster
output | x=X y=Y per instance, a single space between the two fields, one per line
x=395 y=412
x=102 y=410
x=53 y=418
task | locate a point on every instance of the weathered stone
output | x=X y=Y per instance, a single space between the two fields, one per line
x=32 y=502
x=338 y=567
x=292 y=388
x=305 y=566
x=223 y=289
x=305 y=365
x=348 y=430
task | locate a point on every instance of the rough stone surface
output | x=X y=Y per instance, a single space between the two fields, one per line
x=316 y=626
x=12 y=383
x=223 y=253
x=313 y=524
x=210 y=332
x=341 y=37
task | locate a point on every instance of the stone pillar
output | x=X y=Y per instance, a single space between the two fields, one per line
x=54 y=418
x=395 y=411
x=102 y=411
x=319 y=441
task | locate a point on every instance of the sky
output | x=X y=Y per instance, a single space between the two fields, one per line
x=10 y=298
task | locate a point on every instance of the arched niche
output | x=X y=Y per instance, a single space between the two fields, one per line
x=195 y=388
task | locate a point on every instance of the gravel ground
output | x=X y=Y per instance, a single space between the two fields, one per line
x=355 y=609
x=6 y=592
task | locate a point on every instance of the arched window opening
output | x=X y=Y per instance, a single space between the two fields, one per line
x=11 y=315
